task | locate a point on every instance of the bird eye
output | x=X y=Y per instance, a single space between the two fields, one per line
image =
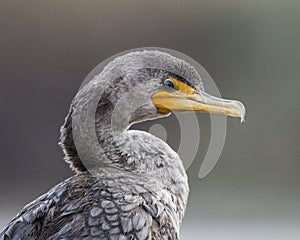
x=169 y=84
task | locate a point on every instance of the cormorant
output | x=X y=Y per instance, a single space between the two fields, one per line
x=135 y=187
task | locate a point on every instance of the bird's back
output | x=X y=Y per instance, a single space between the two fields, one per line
x=108 y=204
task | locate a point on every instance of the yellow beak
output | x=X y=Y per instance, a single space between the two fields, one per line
x=179 y=101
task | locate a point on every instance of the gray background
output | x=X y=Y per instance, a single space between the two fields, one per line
x=250 y=48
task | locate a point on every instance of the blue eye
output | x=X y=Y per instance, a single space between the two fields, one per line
x=169 y=84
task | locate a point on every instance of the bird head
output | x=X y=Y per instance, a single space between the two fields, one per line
x=150 y=84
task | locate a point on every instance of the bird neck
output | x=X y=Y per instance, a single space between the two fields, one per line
x=130 y=151
x=141 y=153
x=135 y=151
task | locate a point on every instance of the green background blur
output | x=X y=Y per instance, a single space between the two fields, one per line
x=250 y=48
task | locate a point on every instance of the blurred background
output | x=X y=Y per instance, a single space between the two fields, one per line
x=250 y=48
